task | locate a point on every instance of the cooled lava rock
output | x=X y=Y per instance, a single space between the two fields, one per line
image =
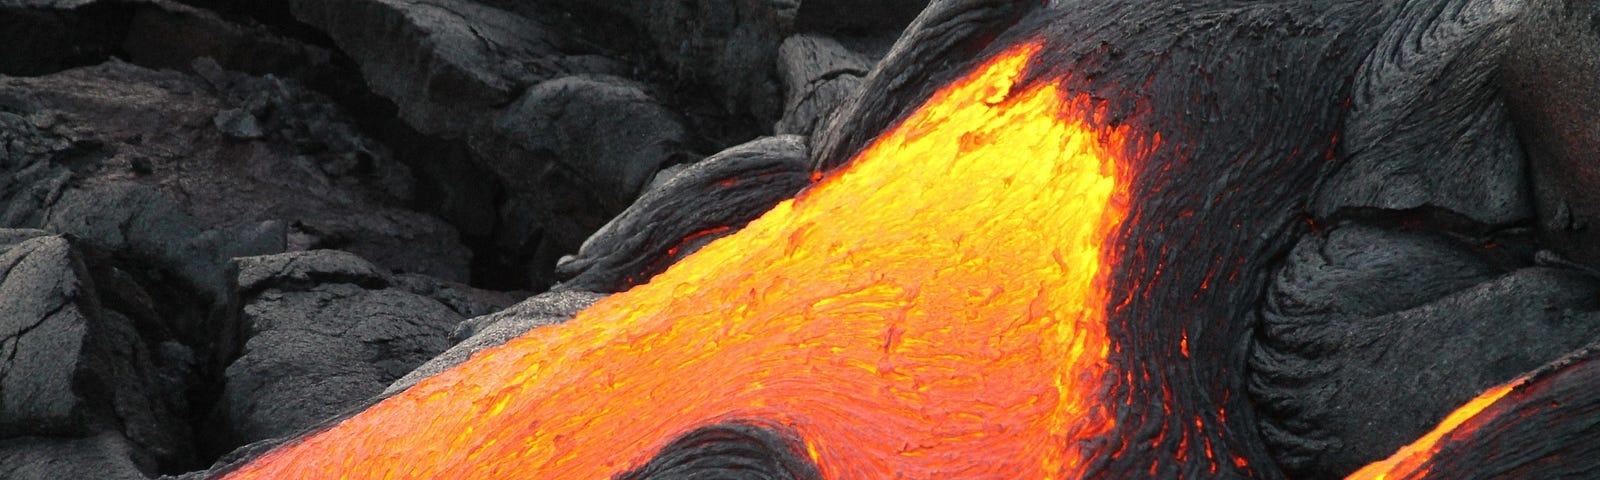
x=85 y=352
x=1366 y=327
x=161 y=163
x=321 y=332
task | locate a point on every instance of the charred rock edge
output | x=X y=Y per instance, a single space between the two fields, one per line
x=1546 y=427
x=735 y=451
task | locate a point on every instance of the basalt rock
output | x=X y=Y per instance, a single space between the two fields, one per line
x=1342 y=302
x=727 y=44
x=575 y=151
x=44 y=36
x=1434 y=79
x=819 y=74
x=845 y=17
x=946 y=29
x=87 y=352
x=448 y=64
x=195 y=171
x=321 y=332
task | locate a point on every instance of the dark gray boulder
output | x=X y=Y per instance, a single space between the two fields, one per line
x=606 y=133
x=1549 y=77
x=942 y=41
x=322 y=332
x=728 y=45
x=855 y=17
x=44 y=36
x=80 y=354
x=42 y=334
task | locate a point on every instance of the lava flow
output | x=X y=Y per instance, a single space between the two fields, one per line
x=936 y=309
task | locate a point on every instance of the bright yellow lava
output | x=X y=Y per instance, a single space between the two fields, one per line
x=935 y=310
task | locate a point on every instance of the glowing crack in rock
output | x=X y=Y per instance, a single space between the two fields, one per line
x=937 y=309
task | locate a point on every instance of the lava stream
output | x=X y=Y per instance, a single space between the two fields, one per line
x=936 y=309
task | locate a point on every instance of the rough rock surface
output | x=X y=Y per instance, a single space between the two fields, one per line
x=43 y=36
x=446 y=63
x=83 y=352
x=322 y=331
x=947 y=29
x=729 y=44
x=846 y=16
x=1326 y=370
x=1396 y=159
x=575 y=151
x=819 y=74
x=1557 y=49
x=153 y=162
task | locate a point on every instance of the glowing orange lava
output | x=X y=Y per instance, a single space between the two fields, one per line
x=1409 y=461
x=935 y=310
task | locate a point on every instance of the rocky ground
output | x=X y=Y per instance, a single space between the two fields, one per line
x=224 y=222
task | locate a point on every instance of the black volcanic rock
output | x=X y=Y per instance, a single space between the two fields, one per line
x=135 y=160
x=78 y=341
x=448 y=64
x=1549 y=79
x=943 y=40
x=1370 y=336
x=44 y=328
x=574 y=152
x=321 y=332
x=850 y=16
x=1415 y=93
x=43 y=36
x=819 y=74
x=728 y=45
x=606 y=133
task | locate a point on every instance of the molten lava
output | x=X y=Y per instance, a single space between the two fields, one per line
x=936 y=309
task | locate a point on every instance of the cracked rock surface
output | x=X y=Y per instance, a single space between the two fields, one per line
x=83 y=353
x=322 y=332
